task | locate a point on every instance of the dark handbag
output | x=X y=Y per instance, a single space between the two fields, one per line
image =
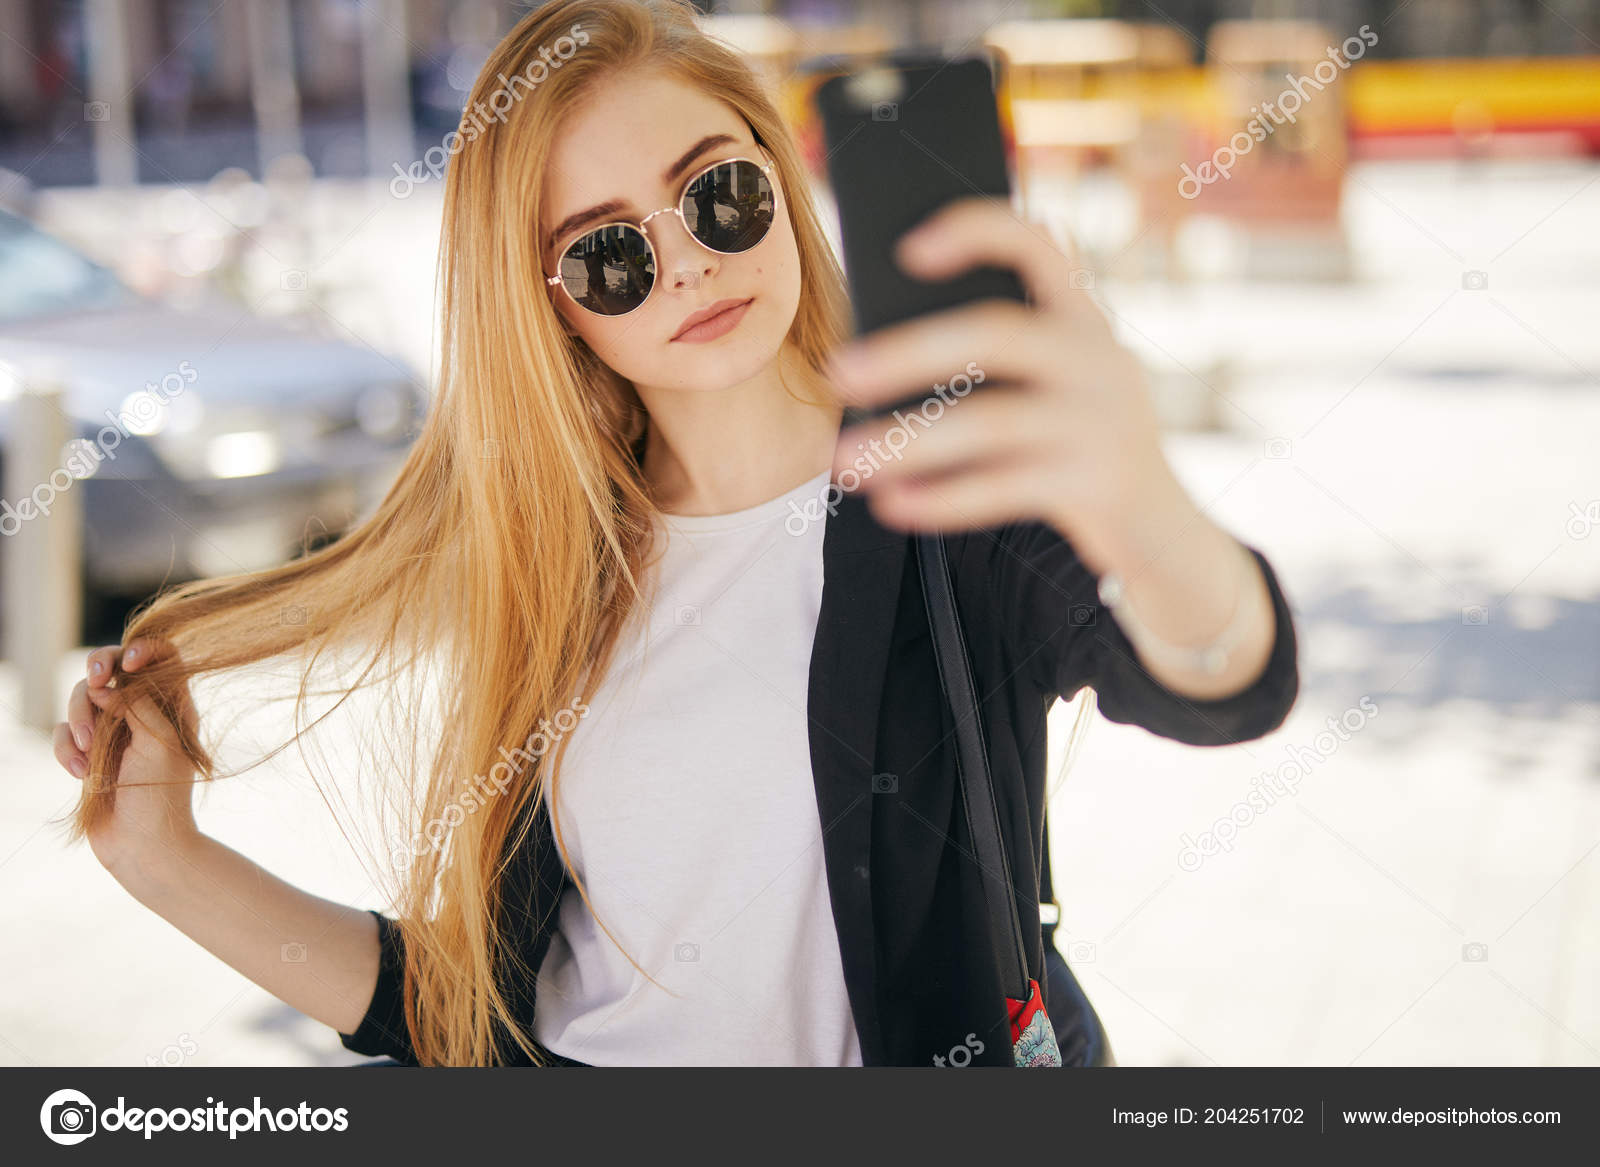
x=1075 y=1036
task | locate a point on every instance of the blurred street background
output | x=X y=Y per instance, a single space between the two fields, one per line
x=1370 y=333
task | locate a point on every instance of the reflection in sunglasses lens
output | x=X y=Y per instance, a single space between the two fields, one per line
x=729 y=208
x=610 y=270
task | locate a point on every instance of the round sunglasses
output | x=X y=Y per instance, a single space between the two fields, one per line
x=727 y=207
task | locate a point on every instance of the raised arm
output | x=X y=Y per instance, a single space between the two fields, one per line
x=1062 y=442
x=1059 y=631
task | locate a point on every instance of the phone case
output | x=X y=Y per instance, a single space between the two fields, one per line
x=903 y=140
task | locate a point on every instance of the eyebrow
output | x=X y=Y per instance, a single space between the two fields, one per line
x=668 y=177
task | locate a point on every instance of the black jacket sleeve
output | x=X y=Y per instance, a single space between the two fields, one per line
x=535 y=881
x=382 y=1031
x=1058 y=631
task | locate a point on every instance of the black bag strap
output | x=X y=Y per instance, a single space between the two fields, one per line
x=972 y=764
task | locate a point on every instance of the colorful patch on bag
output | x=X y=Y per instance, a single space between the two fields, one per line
x=1033 y=1038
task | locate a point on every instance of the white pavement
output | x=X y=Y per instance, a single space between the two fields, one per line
x=1405 y=450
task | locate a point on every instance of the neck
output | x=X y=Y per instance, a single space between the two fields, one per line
x=708 y=452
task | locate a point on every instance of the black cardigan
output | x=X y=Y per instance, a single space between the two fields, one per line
x=905 y=891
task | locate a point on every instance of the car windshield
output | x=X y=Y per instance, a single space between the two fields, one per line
x=40 y=275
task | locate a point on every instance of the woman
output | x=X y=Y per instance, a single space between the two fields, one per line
x=694 y=780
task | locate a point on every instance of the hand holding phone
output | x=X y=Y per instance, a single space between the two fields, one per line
x=1062 y=429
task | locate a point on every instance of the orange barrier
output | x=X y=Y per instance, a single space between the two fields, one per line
x=1473 y=99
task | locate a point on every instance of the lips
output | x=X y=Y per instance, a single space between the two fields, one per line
x=722 y=312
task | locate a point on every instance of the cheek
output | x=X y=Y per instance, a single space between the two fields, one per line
x=779 y=273
x=601 y=334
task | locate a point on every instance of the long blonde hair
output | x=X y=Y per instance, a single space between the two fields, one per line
x=506 y=556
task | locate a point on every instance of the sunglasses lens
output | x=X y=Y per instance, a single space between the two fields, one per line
x=609 y=271
x=729 y=208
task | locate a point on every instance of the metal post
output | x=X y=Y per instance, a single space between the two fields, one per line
x=273 y=91
x=41 y=521
x=109 y=109
x=17 y=86
x=386 y=85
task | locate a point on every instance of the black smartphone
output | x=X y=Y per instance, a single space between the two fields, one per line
x=904 y=138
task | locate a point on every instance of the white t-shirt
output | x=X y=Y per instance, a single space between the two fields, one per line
x=687 y=803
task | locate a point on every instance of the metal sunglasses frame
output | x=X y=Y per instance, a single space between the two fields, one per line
x=676 y=208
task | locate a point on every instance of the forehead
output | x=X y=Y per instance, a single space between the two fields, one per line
x=627 y=130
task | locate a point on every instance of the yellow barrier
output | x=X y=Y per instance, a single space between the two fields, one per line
x=1410 y=97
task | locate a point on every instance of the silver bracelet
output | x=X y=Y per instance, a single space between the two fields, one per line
x=1211 y=659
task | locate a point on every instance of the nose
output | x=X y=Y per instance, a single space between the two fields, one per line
x=685 y=261
x=687 y=278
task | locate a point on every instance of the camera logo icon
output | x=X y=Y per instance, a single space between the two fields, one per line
x=67 y=1117
x=1475 y=952
x=886 y=111
x=97 y=111
x=885 y=784
x=1583 y=521
x=1476 y=615
x=685 y=953
x=1474 y=281
x=1081 y=279
x=1277 y=449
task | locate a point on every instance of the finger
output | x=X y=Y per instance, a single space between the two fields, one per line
x=143 y=717
x=1057 y=282
x=106 y=699
x=995 y=424
x=71 y=758
x=80 y=715
x=101 y=664
x=140 y=653
x=979 y=497
x=104 y=662
x=970 y=232
x=954 y=349
x=145 y=650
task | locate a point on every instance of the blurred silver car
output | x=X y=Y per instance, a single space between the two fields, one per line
x=224 y=439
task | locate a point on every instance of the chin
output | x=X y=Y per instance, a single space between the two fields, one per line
x=737 y=357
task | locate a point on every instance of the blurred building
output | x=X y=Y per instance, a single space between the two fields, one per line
x=176 y=90
x=199 y=78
